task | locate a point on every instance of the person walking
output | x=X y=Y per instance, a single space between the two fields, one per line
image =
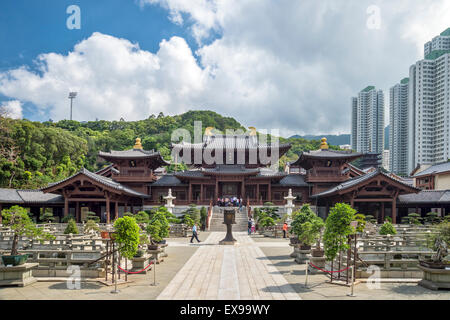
x=194 y=233
x=285 y=229
x=250 y=224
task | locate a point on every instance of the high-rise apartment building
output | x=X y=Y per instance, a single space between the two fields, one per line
x=398 y=128
x=368 y=121
x=429 y=104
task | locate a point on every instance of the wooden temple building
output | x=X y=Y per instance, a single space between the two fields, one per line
x=240 y=168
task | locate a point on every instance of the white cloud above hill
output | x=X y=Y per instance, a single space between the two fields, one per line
x=292 y=65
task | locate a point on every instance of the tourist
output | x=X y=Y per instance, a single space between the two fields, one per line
x=253 y=226
x=249 y=226
x=194 y=233
x=240 y=204
x=285 y=229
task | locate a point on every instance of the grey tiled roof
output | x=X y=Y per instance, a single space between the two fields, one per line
x=103 y=180
x=426 y=196
x=228 y=142
x=37 y=196
x=438 y=168
x=168 y=180
x=352 y=182
x=190 y=174
x=293 y=180
x=267 y=172
x=10 y=196
x=231 y=169
x=15 y=196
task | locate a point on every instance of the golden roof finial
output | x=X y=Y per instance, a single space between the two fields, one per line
x=324 y=144
x=252 y=131
x=138 y=144
x=208 y=131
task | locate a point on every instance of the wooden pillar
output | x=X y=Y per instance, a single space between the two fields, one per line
x=201 y=192
x=216 y=191
x=125 y=209
x=66 y=206
x=382 y=212
x=243 y=189
x=108 y=205
x=1 y=208
x=190 y=193
x=77 y=210
x=269 y=192
x=257 y=193
x=394 y=210
x=116 y=210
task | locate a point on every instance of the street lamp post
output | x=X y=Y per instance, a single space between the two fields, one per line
x=72 y=96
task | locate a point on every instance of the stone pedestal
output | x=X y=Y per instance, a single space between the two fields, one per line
x=140 y=263
x=17 y=275
x=294 y=253
x=156 y=254
x=318 y=262
x=302 y=256
x=435 y=279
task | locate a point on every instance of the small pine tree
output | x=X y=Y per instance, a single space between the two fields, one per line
x=71 y=227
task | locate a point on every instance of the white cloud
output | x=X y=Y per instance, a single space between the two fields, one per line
x=292 y=65
x=11 y=109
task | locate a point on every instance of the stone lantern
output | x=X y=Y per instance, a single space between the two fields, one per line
x=229 y=218
x=289 y=206
x=169 y=201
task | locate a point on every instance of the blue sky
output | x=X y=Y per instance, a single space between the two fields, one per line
x=291 y=65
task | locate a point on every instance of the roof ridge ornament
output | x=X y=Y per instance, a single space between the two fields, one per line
x=138 y=144
x=252 y=131
x=324 y=144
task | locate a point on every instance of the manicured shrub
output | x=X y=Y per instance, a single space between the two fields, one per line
x=127 y=236
x=71 y=227
x=387 y=228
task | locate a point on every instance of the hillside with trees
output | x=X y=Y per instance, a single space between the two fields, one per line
x=33 y=154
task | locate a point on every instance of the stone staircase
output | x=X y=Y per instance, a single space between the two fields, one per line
x=217 y=225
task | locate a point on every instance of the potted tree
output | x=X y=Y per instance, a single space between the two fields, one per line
x=387 y=229
x=436 y=274
x=158 y=228
x=126 y=235
x=305 y=214
x=17 y=219
x=71 y=228
x=337 y=230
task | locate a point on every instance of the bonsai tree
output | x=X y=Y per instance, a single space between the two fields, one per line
x=361 y=219
x=17 y=219
x=158 y=227
x=47 y=217
x=91 y=227
x=71 y=228
x=266 y=221
x=432 y=217
x=412 y=218
x=187 y=220
x=387 y=228
x=371 y=219
x=67 y=218
x=388 y=219
x=307 y=226
x=194 y=212
x=338 y=229
x=91 y=216
x=127 y=236
x=270 y=210
x=142 y=217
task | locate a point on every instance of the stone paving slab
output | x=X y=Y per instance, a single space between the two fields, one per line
x=236 y=272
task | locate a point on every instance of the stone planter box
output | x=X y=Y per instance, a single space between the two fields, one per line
x=18 y=275
x=435 y=279
x=140 y=263
x=302 y=256
x=157 y=255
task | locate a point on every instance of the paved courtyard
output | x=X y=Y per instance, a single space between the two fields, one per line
x=255 y=268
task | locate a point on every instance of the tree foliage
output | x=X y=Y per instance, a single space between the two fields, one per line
x=71 y=227
x=337 y=229
x=387 y=228
x=127 y=236
x=17 y=219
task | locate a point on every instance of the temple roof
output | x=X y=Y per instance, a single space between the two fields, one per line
x=357 y=180
x=15 y=196
x=230 y=170
x=100 y=179
x=293 y=180
x=426 y=196
x=168 y=180
x=438 y=168
x=133 y=154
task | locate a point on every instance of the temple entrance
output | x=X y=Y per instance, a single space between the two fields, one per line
x=229 y=189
